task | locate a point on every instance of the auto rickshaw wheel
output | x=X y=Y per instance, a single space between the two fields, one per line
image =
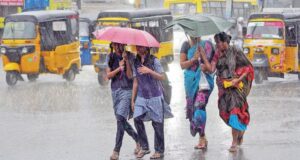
x=32 y=77
x=259 y=77
x=70 y=74
x=299 y=75
x=12 y=78
x=102 y=78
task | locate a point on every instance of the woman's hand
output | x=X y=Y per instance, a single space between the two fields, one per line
x=201 y=52
x=196 y=56
x=235 y=82
x=121 y=65
x=144 y=70
x=125 y=57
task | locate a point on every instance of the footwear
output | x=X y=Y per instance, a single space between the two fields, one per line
x=137 y=149
x=142 y=153
x=157 y=155
x=114 y=156
x=202 y=144
x=233 y=148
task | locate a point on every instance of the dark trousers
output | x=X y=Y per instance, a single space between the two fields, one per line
x=159 y=142
x=123 y=125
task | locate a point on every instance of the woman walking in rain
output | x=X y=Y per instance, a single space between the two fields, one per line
x=148 y=102
x=196 y=96
x=121 y=86
x=234 y=81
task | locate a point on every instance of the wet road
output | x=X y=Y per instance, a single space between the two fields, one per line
x=51 y=119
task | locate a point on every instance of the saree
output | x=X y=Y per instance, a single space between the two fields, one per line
x=196 y=100
x=232 y=102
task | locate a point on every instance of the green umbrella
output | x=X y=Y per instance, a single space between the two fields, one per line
x=201 y=25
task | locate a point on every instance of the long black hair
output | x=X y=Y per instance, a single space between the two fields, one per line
x=111 y=56
x=149 y=61
x=111 y=47
x=223 y=37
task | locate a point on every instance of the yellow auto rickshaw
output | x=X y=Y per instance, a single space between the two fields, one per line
x=272 y=44
x=150 y=20
x=40 y=42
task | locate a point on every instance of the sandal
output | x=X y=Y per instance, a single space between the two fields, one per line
x=114 y=156
x=202 y=145
x=142 y=153
x=157 y=155
x=233 y=149
x=137 y=149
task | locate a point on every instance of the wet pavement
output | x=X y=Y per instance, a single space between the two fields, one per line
x=52 y=119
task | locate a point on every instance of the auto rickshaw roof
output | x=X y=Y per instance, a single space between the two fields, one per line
x=279 y=15
x=87 y=20
x=134 y=13
x=290 y=16
x=41 y=16
x=90 y=16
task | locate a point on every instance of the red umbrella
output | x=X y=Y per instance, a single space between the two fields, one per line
x=127 y=36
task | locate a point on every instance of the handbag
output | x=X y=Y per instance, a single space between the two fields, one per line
x=203 y=83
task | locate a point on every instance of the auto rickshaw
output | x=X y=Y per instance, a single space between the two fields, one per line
x=272 y=44
x=150 y=20
x=40 y=42
x=86 y=29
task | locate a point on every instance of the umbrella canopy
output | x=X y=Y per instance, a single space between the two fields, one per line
x=127 y=36
x=201 y=25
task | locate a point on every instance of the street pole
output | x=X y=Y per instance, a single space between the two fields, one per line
x=78 y=3
x=262 y=5
x=229 y=6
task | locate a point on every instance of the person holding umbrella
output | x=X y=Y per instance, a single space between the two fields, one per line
x=121 y=86
x=235 y=74
x=196 y=74
x=148 y=102
x=196 y=97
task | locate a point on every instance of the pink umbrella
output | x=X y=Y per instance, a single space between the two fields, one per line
x=127 y=36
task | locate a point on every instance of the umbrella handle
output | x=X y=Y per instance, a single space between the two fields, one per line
x=187 y=37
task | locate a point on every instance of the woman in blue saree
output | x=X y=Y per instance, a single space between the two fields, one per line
x=196 y=97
